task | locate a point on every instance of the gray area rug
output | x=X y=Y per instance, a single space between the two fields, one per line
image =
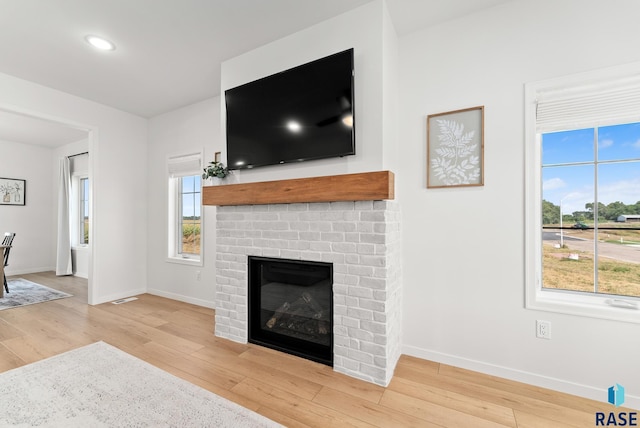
x=23 y=292
x=101 y=386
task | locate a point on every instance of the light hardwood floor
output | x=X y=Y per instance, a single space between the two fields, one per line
x=178 y=337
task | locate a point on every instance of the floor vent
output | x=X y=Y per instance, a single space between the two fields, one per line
x=128 y=299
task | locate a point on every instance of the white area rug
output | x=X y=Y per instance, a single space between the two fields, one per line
x=23 y=292
x=100 y=386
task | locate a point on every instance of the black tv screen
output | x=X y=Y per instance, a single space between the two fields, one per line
x=299 y=114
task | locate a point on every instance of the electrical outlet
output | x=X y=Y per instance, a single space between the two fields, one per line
x=198 y=275
x=543 y=329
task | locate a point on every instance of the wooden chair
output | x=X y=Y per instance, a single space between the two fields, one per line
x=8 y=241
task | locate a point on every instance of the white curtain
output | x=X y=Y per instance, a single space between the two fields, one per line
x=63 y=262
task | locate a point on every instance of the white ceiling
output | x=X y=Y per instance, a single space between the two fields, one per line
x=168 y=52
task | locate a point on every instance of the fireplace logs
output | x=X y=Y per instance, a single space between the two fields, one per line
x=304 y=315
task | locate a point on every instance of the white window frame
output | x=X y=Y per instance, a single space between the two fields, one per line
x=179 y=166
x=81 y=210
x=77 y=222
x=564 y=301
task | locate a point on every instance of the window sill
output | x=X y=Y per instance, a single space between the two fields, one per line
x=591 y=306
x=182 y=261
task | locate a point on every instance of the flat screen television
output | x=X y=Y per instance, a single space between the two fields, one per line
x=299 y=114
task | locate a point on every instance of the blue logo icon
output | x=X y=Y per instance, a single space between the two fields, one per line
x=616 y=395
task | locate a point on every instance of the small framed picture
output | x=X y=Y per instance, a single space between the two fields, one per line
x=217 y=157
x=455 y=148
x=12 y=191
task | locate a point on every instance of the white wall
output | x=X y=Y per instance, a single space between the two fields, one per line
x=464 y=248
x=187 y=130
x=118 y=143
x=390 y=96
x=33 y=244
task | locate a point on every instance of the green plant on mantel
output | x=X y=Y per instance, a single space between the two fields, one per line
x=216 y=170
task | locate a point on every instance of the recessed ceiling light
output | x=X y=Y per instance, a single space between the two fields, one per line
x=100 y=43
x=294 y=126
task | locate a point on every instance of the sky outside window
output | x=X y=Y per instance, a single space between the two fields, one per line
x=619 y=142
x=191 y=205
x=574 y=184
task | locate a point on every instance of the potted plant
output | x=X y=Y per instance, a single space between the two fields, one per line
x=215 y=172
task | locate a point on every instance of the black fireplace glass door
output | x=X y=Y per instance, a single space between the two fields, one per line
x=291 y=307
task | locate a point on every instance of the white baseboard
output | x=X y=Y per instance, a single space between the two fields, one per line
x=581 y=390
x=84 y=275
x=181 y=298
x=23 y=271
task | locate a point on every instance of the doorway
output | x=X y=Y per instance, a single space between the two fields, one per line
x=31 y=145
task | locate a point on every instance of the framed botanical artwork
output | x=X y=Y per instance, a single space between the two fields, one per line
x=12 y=191
x=217 y=157
x=455 y=148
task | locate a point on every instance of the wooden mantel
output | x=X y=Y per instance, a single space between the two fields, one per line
x=366 y=186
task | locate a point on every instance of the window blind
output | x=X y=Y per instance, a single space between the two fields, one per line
x=180 y=166
x=608 y=100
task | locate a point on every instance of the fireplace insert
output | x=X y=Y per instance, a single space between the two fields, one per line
x=291 y=307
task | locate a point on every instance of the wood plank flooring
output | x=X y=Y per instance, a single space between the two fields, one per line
x=178 y=337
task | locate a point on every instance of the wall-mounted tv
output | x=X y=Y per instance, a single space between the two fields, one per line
x=300 y=114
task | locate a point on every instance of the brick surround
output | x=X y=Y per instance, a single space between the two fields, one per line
x=360 y=238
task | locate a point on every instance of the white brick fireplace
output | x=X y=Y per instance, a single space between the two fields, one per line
x=360 y=238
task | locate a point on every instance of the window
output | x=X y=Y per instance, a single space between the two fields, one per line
x=583 y=194
x=79 y=210
x=189 y=217
x=185 y=209
x=83 y=233
x=79 y=200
